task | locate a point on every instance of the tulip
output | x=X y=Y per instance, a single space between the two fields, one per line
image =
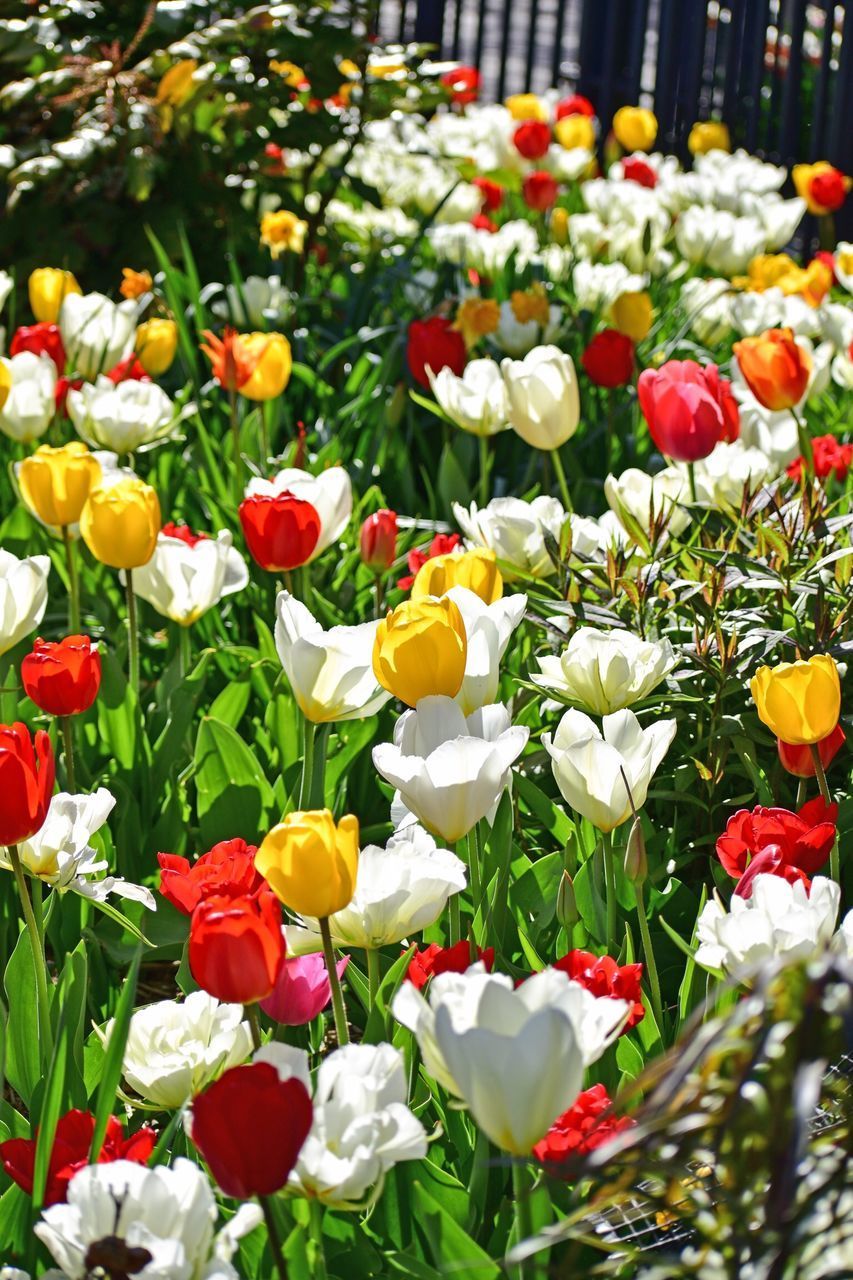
x=30 y=401
x=225 y=871
x=591 y=765
x=120 y=523
x=434 y=344
x=649 y=500
x=121 y=417
x=542 y=393
x=797 y=759
x=708 y=135
x=689 y=409
x=236 y=946
x=42 y=340
x=281 y=532
x=60 y=854
x=302 y=990
x=575 y=105
x=532 y=139
x=778 y=921
x=62 y=679
x=631 y=313
x=775 y=368
x=23 y=596
x=830 y=459
x=156 y=344
x=5 y=383
x=823 y=187
x=434 y=959
x=420 y=650
x=609 y=359
x=588 y=1124
x=27 y=774
x=575 y=132
x=55 y=483
x=799 y=842
x=605 y=671
x=451 y=770
x=540 y=190
x=492 y=193
x=135 y=284
x=329 y=493
x=255 y=302
x=476 y=401
x=377 y=541
x=258 y=365
x=526 y=106
x=516 y=531
x=441 y=544
x=604 y=977
x=636 y=170
x=189 y=574
x=330 y=672
x=488 y=628
x=635 y=128
x=96 y=332
x=48 y=287
x=310 y=862
x=462 y=83
x=475 y=570
x=800 y=702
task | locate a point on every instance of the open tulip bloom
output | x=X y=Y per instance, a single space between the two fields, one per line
x=606 y=671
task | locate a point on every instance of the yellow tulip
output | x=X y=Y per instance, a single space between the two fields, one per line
x=477 y=570
x=119 y=524
x=708 y=135
x=635 y=128
x=799 y=701
x=156 y=344
x=5 y=383
x=282 y=231
x=575 y=131
x=560 y=225
x=55 y=483
x=269 y=356
x=310 y=863
x=47 y=287
x=421 y=649
x=632 y=314
x=526 y=106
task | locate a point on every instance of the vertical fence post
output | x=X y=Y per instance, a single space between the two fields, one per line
x=429 y=22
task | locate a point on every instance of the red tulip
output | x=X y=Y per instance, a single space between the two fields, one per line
x=799 y=841
x=604 y=977
x=824 y=256
x=482 y=222
x=27 y=772
x=236 y=946
x=378 y=540
x=532 y=139
x=540 y=190
x=185 y=533
x=63 y=386
x=492 y=193
x=441 y=545
x=576 y=105
x=609 y=359
x=463 y=84
x=43 y=339
x=281 y=531
x=831 y=458
x=70 y=1152
x=435 y=959
x=250 y=1126
x=62 y=679
x=436 y=343
x=302 y=989
x=828 y=189
x=128 y=370
x=588 y=1123
x=639 y=171
x=227 y=870
x=798 y=760
x=689 y=409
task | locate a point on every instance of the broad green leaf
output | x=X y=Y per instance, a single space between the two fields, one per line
x=114 y=1057
x=451 y=1248
x=23 y=1065
x=234 y=797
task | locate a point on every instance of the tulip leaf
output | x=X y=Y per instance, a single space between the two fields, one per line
x=114 y=1057
x=552 y=817
x=15 y=1223
x=22 y=1065
x=451 y=1248
x=51 y=1105
x=234 y=797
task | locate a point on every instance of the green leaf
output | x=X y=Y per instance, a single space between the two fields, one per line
x=234 y=796
x=114 y=1057
x=51 y=1106
x=23 y=1065
x=450 y=1246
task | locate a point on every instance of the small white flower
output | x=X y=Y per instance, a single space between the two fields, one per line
x=476 y=401
x=515 y=530
x=778 y=920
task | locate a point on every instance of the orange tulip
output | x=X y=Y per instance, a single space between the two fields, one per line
x=775 y=368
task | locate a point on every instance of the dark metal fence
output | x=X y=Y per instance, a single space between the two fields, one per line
x=778 y=72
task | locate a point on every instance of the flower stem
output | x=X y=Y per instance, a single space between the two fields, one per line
x=317 y=790
x=484 y=471
x=37 y=947
x=68 y=742
x=132 y=634
x=274 y=1236
x=338 y=1007
x=379 y=593
x=454 y=926
x=309 y=730
x=561 y=480
x=834 y=861
x=609 y=890
x=374 y=976
x=805 y=444
x=234 y=419
x=185 y=652
x=254 y=1020
x=691 y=480
x=649 y=956
x=73 y=584
x=474 y=870
x=523 y=1217
x=318 y=1269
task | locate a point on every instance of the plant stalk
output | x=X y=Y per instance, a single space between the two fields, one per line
x=37 y=947
x=73 y=583
x=338 y=1007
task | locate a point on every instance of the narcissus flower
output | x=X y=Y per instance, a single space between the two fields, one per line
x=775 y=368
x=434 y=344
x=120 y=523
x=823 y=187
x=604 y=977
x=55 y=483
x=23 y=596
x=476 y=570
x=799 y=701
x=258 y=365
x=689 y=408
x=283 y=232
x=588 y=1124
x=62 y=679
x=798 y=759
x=27 y=772
x=635 y=128
x=156 y=344
x=310 y=861
x=236 y=946
x=420 y=649
x=47 y=287
x=281 y=532
x=226 y=871
x=189 y=574
x=604 y=671
x=434 y=959
x=608 y=360
x=708 y=135
x=70 y=1152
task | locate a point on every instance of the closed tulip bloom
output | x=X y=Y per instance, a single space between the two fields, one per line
x=377 y=540
x=47 y=287
x=475 y=570
x=604 y=671
x=799 y=701
x=434 y=344
x=188 y=574
x=41 y=340
x=635 y=128
x=55 y=483
x=27 y=773
x=608 y=360
x=532 y=139
x=23 y=596
x=330 y=671
x=329 y=493
x=96 y=332
x=156 y=344
x=281 y=532
x=121 y=417
x=632 y=314
x=708 y=135
x=30 y=402
x=635 y=495
x=689 y=409
x=119 y=524
x=310 y=862
x=823 y=187
x=526 y=106
x=575 y=131
x=302 y=989
x=476 y=401
x=540 y=190
x=272 y=364
x=775 y=368
x=543 y=398
x=589 y=763
x=62 y=679
x=236 y=946
x=232 y=1121
x=420 y=650
x=798 y=759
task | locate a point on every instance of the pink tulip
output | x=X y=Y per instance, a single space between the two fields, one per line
x=302 y=990
x=689 y=409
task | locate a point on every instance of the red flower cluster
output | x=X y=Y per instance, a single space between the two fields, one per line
x=434 y=342
x=436 y=959
x=540 y=190
x=441 y=545
x=639 y=171
x=604 y=977
x=227 y=870
x=588 y=1123
x=62 y=679
x=609 y=359
x=43 y=339
x=798 y=759
x=777 y=842
x=378 y=540
x=27 y=774
x=831 y=458
x=70 y=1152
x=281 y=531
x=689 y=409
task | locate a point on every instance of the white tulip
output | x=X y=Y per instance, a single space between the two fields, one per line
x=183 y=579
x=330 y=494
x=31 y=403
x=721 y=240
x=843 y=940
x=516 y=338
x=169 y=1212
x=6 y=286
x=450 y=770
x=604 y=671
x=752 y=313
x=257 y=302
x=515 y=530
x=842 y=371
x=477 y=401
x=597 y=285
x=174 y=1050
x=488 y=628
x=721 y=477
x=330 y=672
x=647 y=498
x=844 y=264
x=836 y=320
x=589 y=762
x=23 y=596
x=543 y=397
x=707 y=304
x=399 y=890
x=122 y=417
x=96 y=332
x=779 y=920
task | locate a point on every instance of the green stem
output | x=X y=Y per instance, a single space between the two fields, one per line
x=73 y=584
x=39 y=962
x=274 y=1236
x=523 y=1216
x=234 y=419
x=834 y=860
x=68 y=742
x=253 y=1018
x=609 y=890
x=185 y=651
x=484 y=471
x=264 y=431
x=454 y=925
x=338 y=1007
x=317 y=790
x=308 y=731
x=374 y=975
x=649 y=955
x=378 y=596
x=561 y=480
x=132 y=634
x=316 y=1211
x=805 y=444
x=8 y=692
x=802 y=792
x=691 y=480
x=474 y=872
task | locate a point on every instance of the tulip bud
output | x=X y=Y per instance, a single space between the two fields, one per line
x=120 y=524
x=156 y=344
x=632 y=314
x=56 y=483
x=775 y=368
x=421 y=649
x=799 y=701
x=47 y=287
x=576 y=131
x=635 y=128
x=708 y=135
x=62 y=679
x=310 y=862
x=236 y=946
x=477 y=570
x=560 y=226
x=567 y=907
x=27 y=772
x=636 y=862
x=378 y=540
